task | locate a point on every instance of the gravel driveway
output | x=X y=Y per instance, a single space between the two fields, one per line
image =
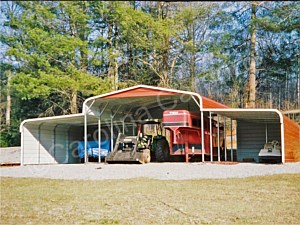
x=162 y=171
x=10 y=155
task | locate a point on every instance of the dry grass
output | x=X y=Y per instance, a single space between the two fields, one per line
x=256 y=200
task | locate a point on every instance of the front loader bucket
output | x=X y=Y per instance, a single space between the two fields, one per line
x=128 y=157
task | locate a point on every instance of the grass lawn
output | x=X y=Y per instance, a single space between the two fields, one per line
x=255 y=200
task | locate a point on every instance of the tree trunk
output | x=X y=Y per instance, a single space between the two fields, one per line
x=252 y=75
x=8 y=101
x=83 y=37
x=113 y=64
x=164 y=68
x=298 y=79
x=165 y=48
x=193 y=63
x=116 y=66
x=193 y=73
x=74 y=108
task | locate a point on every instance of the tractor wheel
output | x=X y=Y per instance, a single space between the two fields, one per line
x=162 y=152
x=146 y=156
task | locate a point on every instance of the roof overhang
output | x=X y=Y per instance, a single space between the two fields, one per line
x=135 y=103
x=251 y=115
x=64 y=120
x=143 y=102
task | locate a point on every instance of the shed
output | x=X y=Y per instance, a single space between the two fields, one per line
x=56 y=139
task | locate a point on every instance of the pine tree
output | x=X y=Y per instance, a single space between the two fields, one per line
x=52 y=49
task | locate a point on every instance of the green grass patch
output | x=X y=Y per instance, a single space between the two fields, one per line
x=255 y=200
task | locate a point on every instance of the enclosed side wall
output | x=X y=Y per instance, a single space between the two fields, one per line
x=251 y=138
x=292 y=140
x=47 y=144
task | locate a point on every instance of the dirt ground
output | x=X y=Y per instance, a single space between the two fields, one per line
x=10 y=155
x=161 y=171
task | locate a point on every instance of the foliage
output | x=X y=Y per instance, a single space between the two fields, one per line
x=55 y=54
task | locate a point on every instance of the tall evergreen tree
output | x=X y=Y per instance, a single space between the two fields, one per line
x=52 y=48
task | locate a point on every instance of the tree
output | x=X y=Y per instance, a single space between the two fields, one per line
x=274 y=51
x=52 y=49
x=279 y=73
x=8 y=11
x=55 y=54
x=251 y=85
x=193 y=35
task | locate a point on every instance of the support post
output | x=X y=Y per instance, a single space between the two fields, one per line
x=202 y=136
x=111 y=133
x=225 y=148
x=54 y=142
x=99 y=132
x=99 y=139
x=282 y=142
x=85 y=138
x=123 y=126
x=85 y=111
x=231 y=145
x=219 y=158
x=266 y=129
x=210 y=137
x=133 y=129
x=112 y=115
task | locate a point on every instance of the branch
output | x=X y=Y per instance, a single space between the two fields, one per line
x=173 y=64
x=151 y=66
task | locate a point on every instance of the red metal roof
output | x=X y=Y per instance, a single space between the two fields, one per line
x=148 y=91
x=209 y=103
x=140 y=92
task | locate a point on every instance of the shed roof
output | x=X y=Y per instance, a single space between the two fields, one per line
x=64 y=120
x=253 y=115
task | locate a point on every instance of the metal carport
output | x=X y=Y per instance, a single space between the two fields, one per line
x=48 y=140
x=142 y=102
x=254 y=128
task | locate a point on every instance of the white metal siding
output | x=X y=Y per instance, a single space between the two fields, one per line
x=61 y=150
x=49 y=144
x=46 y=144
x=75 y=136
x=30 y=145
x=251 y=137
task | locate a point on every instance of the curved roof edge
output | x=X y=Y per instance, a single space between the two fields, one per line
x=151 y=88
x=43 y=119
x=280 y=115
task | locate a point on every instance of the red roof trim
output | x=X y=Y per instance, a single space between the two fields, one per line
x=148 y=92
x=140 y=92
x=209 y=103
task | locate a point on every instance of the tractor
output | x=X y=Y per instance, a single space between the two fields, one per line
x=140 y=148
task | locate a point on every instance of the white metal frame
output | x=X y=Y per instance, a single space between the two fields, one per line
x=192 y=94
x=216 y=110
x=88 y=103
